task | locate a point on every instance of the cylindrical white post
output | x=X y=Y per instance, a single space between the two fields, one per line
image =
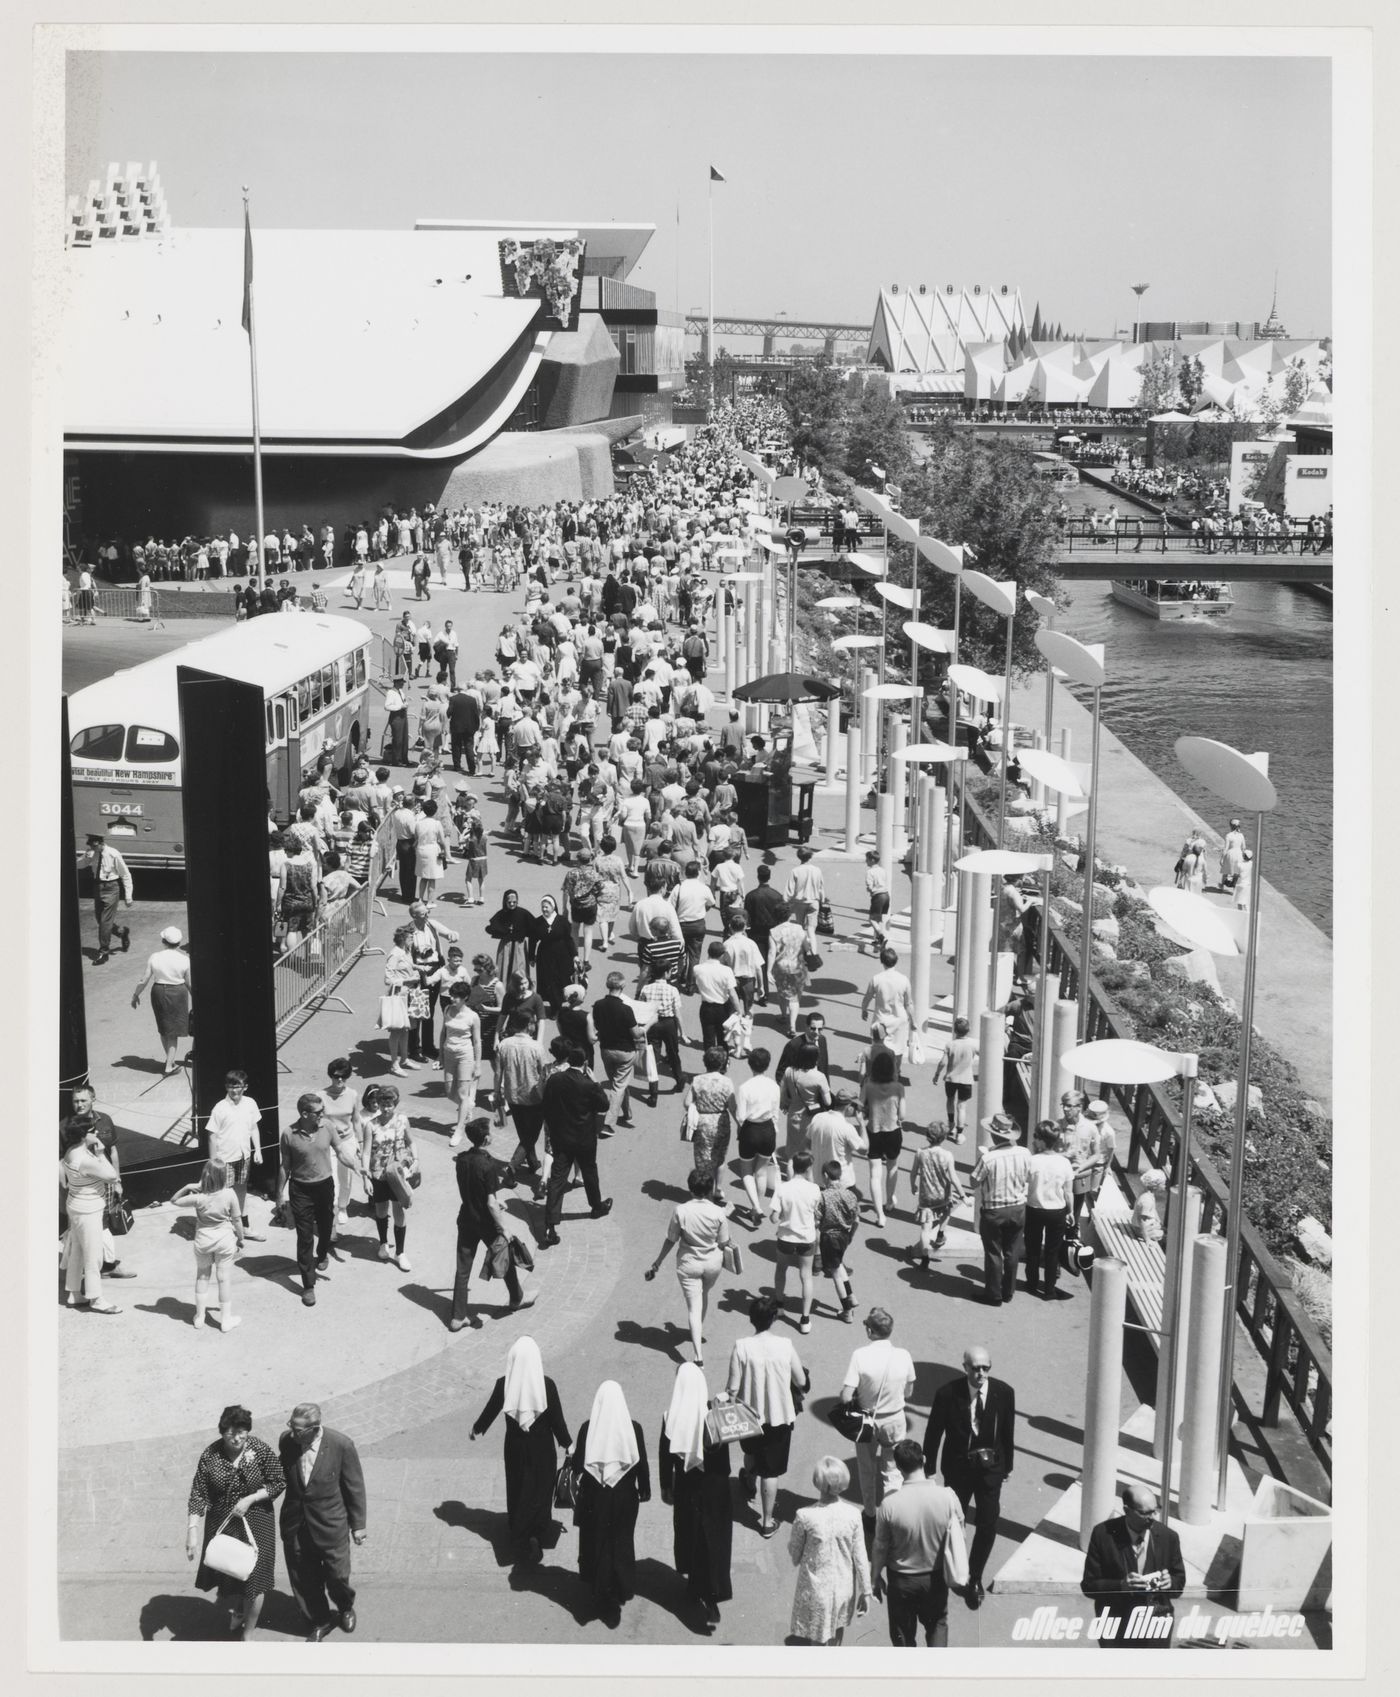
x=1062 y=1038
x=871 y=740
x=1037 y=784
x=1061 y=799
x=730 y=645
x=852 y=784
x=833 y=734
x=1197 y=1494
x=920 y=942
x=884 y=832
x=987 y=1094
x=1175 y=1303
x=962 y=945
x=752 y=651
x=930 y=823
x=899 y=775
x=721 y=646
x=762 y=594
x=1103 y=1394
x=979 y=945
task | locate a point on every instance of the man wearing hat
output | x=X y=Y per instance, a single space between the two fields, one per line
x=1098 y=1146
x=1001 y=1180
x=111 y=885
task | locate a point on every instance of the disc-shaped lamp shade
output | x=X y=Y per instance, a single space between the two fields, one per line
x=867 y=563
x=1050 y=770
x=1240 y=779
x=897 y=594
x=891 y=692
x=787 y=489
x=999 y=596
x=856 y=642
x=940 y=554
x=1004 y=862
x=972 y=680
x=872 y=503
x=1193 y=920
x=1082 y=663
x=907 y=530
x=927 y=636
x=929 y=753
x=1119 y=1060
x=743 y=577
x=832 y=602
x=1041 y=604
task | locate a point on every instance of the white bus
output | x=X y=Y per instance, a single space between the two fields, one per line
x=124 y=732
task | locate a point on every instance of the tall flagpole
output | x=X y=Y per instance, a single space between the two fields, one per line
x=710 y=343
x=248 y=325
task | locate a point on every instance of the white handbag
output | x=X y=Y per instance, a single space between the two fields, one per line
x=233 y=1557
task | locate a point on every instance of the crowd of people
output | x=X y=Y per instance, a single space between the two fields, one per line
x=609 y=771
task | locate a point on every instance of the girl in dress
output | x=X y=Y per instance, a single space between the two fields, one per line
x=430 y=852
x=387 y=1142
x=487 y=747
x=218 y=1238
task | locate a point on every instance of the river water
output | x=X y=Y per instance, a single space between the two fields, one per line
x=1259 y=678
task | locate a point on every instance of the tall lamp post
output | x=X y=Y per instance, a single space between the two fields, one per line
x=1000 y=597
x=1139 y=289
x=790 y=490
x=1120 y=1061
x=1082 y=663
x=1045 y=610
x=1243 y=781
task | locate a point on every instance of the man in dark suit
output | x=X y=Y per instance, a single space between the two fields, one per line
x=574 y=1105
x=1132 y=1569
x=322 y=1512
x=463 y=722
x=974 y=1419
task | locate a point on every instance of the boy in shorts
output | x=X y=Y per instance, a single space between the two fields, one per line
x=795 y=1205
x=957 y=1067
x=936 y=1193
x=877 y=885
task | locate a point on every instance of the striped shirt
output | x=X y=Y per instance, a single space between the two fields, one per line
x=1003 y=1176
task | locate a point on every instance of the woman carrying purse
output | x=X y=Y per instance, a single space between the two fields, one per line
x=399 y=973
x=390 y=1164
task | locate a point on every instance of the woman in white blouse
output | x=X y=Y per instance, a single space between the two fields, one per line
x=85 y=1173
x=701 y=1231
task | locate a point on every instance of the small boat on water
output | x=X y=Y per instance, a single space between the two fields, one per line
x=1173 y=600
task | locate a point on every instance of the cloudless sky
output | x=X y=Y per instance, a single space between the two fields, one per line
x=1070 y=177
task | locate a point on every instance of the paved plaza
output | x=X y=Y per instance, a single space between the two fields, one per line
x=376 y=1352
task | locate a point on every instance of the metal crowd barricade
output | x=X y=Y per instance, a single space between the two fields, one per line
x=126 y=604
x=305 y=976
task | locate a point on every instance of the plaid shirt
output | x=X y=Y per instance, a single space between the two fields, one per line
x=664 y=999
x=1003 y=1175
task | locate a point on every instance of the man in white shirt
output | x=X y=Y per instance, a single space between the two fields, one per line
x=692 y=900
x=879 y=1381
x=714 y=979
x=832 y=1137
x=111 y=886
x=757 y=1103
x=233 y=1139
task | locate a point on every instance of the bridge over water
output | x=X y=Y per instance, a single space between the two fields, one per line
x=1135 y=551
x=790 y=329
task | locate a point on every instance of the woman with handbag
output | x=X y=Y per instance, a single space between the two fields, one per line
x=238 y=1477
x=882 y=1100
x=534 y=1424
x=694 y=1475
x=399 y=973
x=701 y=1231
x=390 y=1165
x=610 y=1462
x=85 y=1174
x=218 y=1238
x=827 y=1546
x=709 y=1114
x=788 y=969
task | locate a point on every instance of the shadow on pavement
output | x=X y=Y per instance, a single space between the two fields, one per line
x=170 y=1307
x=558 y=1585
x=437 y=1302
x=659 y=1191
x=493 y=1526
x=666 y=1338
x=666 y=1589
x=276 y=1269
x=140 y=1063
x=192 y=1618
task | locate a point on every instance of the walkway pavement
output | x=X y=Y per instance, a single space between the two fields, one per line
x=376 y=1353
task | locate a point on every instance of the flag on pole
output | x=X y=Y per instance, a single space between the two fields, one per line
x=247 y=272
x=716 y=177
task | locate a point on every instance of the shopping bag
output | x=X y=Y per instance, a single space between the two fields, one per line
x=955 y=1556
x=393 y=1013
x=394 y=1178
x=728 y=1422
x=733 y=1258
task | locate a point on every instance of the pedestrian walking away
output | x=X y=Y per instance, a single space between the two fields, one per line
x=534 y=1425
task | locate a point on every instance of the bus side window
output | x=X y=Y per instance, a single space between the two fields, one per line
x=281 y=721
x=304 y=708
x=329 y=682
x=359 y=668
x=99 y=742
x=267 y=713
x=314 y=684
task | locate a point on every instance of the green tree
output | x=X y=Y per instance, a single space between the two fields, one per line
x=1191 y=380
x=817 y=406
x=1296 y=386
x=1161 y=388
x=875 y=431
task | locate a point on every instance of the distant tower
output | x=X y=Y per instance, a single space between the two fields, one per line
x=1271 y=330
x=1139 y=289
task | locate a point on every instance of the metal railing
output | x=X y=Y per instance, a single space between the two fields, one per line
x=1146 y=535
x=304 y=977
x=126 y=604
x=1297 y=1361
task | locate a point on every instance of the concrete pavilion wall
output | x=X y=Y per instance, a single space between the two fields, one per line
x=130 y=496
x=576 y=375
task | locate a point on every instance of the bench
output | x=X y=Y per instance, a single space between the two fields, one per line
x=1146 y=1262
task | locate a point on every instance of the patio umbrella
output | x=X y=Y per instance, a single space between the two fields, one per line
x=786 y=686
